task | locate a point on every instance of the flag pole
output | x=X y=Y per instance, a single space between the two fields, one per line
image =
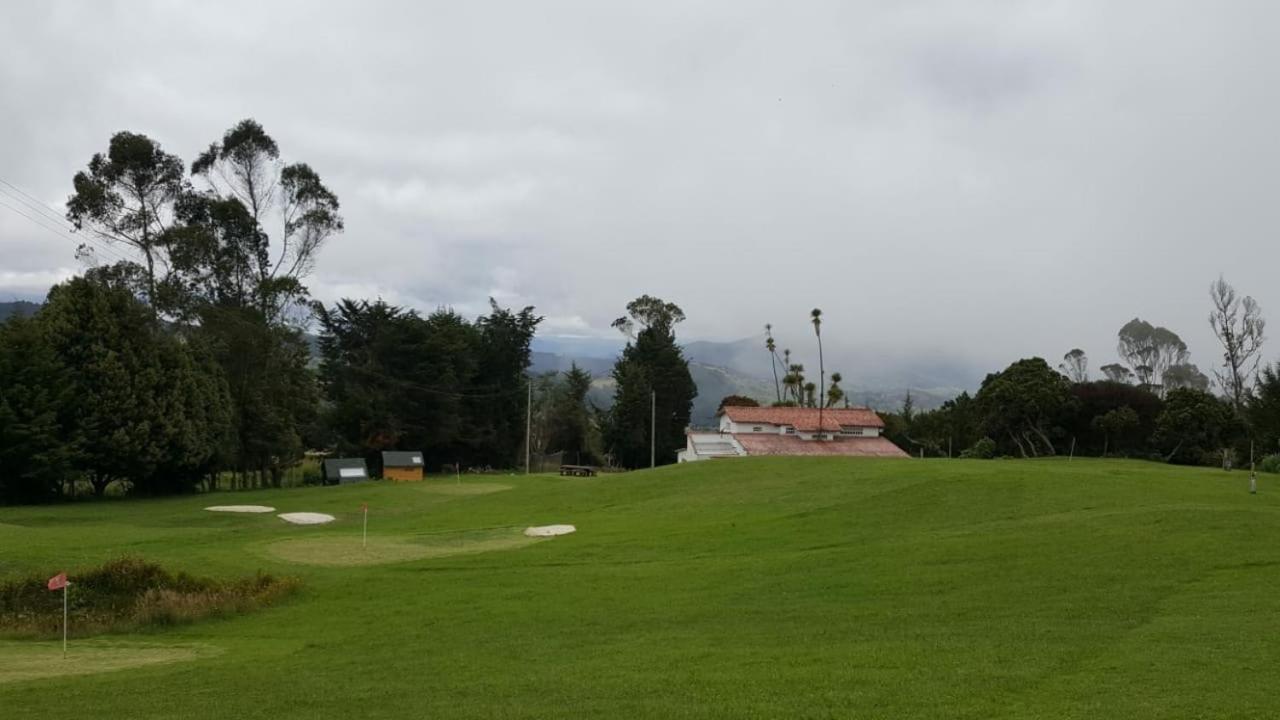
x=64 y=619
x=364 y=533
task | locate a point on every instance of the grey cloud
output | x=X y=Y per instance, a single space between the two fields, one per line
x=967 y=181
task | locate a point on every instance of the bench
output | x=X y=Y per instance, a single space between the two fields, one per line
x=578 y=470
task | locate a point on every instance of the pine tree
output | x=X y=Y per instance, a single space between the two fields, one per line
x=651 y=369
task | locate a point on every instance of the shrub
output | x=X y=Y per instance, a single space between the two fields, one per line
x=983 y=449
x=131 y=594
x=311 y=475
x=1270 y=463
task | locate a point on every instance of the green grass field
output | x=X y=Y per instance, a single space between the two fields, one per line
x=749 y=588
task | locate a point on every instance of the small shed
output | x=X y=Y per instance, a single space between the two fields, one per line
x=402 y=466
x=340 y=471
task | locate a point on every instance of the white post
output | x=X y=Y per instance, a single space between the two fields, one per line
x=1253 y=472
x=528 y=427
x=1072 y=456
x=64 y=618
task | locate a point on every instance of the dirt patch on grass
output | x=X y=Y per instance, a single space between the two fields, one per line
x=466 y=488
x=32 y=661
x=345 y=550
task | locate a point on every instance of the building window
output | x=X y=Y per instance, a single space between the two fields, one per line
x=790 y=430
x=757 y=428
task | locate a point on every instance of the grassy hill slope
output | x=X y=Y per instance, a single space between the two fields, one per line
x=744 y=588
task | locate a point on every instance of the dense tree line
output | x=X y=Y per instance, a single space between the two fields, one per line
x=454 y=389
x=1030 y=410
x=187 y=361
x=1156 y=404
x=93 y=388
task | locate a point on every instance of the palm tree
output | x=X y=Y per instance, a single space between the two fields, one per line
x=835 y=393
x=816 y=315
x=773 y=358
x=797 y=383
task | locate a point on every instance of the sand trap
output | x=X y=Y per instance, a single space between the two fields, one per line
x=241 y=508
x=549 y=530
x=21 y=661
x=306 y=518
x=343 y=550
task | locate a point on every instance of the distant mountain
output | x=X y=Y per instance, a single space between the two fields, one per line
x=17 y=307
x=543 y=362
x=713 y=383
x=741 y=367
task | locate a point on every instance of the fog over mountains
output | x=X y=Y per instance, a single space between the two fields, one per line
x=741 y=367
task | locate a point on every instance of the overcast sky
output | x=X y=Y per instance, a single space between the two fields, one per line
x=969 y=180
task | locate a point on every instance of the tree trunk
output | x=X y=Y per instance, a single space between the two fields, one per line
x=1018 y=442
x=1048 y=445
x=1031 y=443
x=99 y=484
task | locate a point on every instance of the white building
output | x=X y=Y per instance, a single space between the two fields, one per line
x=854 y=432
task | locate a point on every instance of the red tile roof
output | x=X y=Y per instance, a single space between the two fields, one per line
x=768 y=444
x=806 y=419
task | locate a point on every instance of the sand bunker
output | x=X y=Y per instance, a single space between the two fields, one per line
x=342 y=550
x=549 y=530
x=21 y=661
x=306 y=518
x=241 y=508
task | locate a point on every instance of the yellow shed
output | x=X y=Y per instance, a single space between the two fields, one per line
x=402 y=466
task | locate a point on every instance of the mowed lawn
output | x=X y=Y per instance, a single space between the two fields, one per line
x=747 y=588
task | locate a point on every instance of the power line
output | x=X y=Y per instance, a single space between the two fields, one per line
x=35 y=202
x=54 y=231
x=436 y=391
x=46 y=214
x=88 y=243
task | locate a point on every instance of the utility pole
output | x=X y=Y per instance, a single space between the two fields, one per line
x=528 y=426
x=653 y=428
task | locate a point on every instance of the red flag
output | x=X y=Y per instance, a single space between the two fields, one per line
x=57 y=582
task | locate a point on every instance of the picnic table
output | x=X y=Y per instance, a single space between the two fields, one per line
x=578 y=470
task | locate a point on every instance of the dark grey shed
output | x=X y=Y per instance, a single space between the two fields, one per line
x=340 y=471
